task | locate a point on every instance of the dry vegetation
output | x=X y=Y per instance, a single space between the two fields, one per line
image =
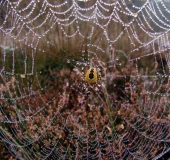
x=69 y=113
x=72 y=113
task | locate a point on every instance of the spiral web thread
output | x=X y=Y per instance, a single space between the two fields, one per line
x=133 y=36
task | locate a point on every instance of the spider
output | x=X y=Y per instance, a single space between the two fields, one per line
x=92 y=76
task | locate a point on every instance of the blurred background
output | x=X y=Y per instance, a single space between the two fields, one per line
x=49 y=111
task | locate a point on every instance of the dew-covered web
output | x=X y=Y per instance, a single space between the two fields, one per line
x=48 y=111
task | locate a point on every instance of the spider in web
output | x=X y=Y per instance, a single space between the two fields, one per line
x=92 y=77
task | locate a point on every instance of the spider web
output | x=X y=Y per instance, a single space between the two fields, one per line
x=47 y=113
